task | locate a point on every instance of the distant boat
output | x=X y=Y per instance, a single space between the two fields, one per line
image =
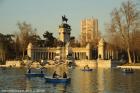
x=87 y=69
x=71 y=67
x=31 y=74
x=127 y=70
x=35 y=74
x=57 y=80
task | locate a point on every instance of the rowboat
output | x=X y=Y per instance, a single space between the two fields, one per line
x=127 y=70
x=57 y=80
x=34 y=74
x=89 y=69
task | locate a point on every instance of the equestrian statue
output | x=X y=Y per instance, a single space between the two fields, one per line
x=64 y=19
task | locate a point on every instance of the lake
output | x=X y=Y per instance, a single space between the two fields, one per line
x=99 y=80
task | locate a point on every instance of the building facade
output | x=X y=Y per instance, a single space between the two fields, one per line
x=78 y=53
x=64 y=32
x=89 y=30
x=37 y=53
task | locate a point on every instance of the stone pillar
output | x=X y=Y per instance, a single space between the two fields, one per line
x=84 y=55
x=116 y=55
x=112 y=54
x=88 y=53
x=101 y=49
x=107 y=54
x=48 y=56
x=52 y=55
x=81 y=56
x=76 y=55
x=29 y=50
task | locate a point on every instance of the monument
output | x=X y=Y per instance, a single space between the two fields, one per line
x=64 y=30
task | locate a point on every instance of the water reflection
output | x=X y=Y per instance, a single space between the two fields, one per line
x=103 y=80
x=81 y=81
x=97 y=81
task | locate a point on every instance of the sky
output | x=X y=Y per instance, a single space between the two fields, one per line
x=46 y=14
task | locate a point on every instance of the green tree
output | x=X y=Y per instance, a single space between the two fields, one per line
x=6 y=47
x=49 y=39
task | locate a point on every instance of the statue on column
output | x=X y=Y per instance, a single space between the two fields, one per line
x=64 y=19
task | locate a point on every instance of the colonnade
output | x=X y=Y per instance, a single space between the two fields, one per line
x=43 y=55
x=51 y=55
x=80 y=55
x=110 y=54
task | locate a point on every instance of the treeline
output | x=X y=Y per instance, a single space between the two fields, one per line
x=124 y=30
x=14 y=46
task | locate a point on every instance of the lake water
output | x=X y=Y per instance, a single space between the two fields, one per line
x=97 y=81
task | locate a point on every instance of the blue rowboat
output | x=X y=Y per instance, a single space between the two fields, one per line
x=127 y=70
x=34 y=74
x=57 y=80
x=87 y=69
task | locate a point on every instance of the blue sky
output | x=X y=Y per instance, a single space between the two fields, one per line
x=46 y=14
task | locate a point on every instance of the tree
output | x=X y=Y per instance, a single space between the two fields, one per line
x=27 y=34
x=50 y=40
x=6 y=46
x=124 y=23
x=2 y=48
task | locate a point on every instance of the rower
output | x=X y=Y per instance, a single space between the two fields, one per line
x=64 y=75
x=55 y=75
x=29 y=70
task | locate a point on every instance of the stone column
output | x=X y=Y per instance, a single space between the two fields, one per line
x=76 y=55
x=52 y=55
x=48 y=56
x=112 y=54
x=107 y=54
x=80 y=55
x=101 y=49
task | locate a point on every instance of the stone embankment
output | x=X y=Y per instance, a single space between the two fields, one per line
x=133 y=67
x=80 y=63
x=94 y=63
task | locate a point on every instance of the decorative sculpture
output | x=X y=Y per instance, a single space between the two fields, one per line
x=64 y=19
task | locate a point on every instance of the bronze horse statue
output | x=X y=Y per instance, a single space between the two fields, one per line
x=64 y=19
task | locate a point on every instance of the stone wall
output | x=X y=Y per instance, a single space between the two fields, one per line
x=13 y=63
x=104 y=63
x=82 y=63
x=94 y=63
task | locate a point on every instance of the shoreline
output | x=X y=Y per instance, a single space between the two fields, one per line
x=133 y=67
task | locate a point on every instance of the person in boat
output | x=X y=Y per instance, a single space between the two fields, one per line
x=29 y=70
x=41 y=71
x=55 y=75
x=86 y=67
x=64 y=75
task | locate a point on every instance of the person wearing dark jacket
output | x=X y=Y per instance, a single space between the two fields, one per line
x=64 y=75
x=55 y=75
